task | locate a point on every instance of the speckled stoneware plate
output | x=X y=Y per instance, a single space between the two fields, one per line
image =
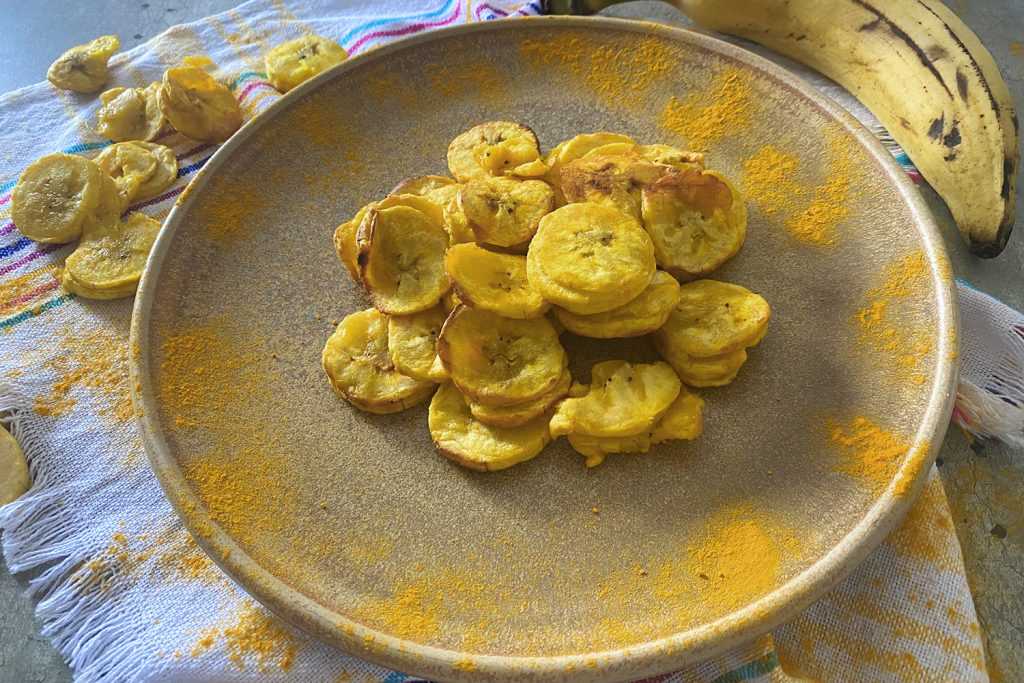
x=353 y=528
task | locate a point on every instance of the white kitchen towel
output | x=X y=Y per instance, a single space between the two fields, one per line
x=124 y=593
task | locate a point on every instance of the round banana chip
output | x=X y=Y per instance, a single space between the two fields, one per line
x=596 y=448
x=492 y=149
x=505 y=212
x=131 y=114
x=430 y=209
x=624 y=399
x=671 y=156
x=715 y=318
x=499 y=361
x=433 y=187
x=110 y=258
x=401 y=259
x=359 y=366
x=697 y=221
x=140 y=170
x=109 y=208
x=412 y=343
x=83 y=68
x=345 y=242
x=575 y=148
x=589 y=259
x=456 y=223
x=54 y=196
x=642 y=315
x=712 y=371
x=14 y=477
x=473 y=444
x=299 y=60
x=197 y=105
x=493 y=282
x=610 y=179
x=521 y=413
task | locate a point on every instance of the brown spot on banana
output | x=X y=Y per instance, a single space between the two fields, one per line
x=938 y=125
x=961 y=84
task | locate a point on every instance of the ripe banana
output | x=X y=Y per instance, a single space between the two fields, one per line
x=922 y=72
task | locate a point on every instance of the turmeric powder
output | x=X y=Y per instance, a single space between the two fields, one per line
x=227 y=218
x=769 y=180
x=702 y=119
x=96 y=360
x=254 y=634
x=869 y=453
x=829 y=205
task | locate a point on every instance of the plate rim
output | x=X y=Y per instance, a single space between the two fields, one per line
x=643 y=659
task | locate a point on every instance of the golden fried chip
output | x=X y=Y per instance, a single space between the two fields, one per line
x=437 y=188
x=504 y=211
x=575 y=148
x=493 y=282
x=430 y=209
x=141 y=170
x=473 y=444
x=697 y=221
x=615 y=148
x=590 y=259
x=299 y=60
x=14 y=476
x=54 y=196
x=109 y=261
x=613 y=180
x=715 y=318
x=624 y=399
x=596 y=448
x=401 y=259
x=131 y=114
x=671 y=156
x=499 y=361
x=109 y=207
x=345 y=242
x=521 y=413
x=84 y=68
x=359 y=366
x=711 y=371
x=456 y=223
x=197 y=105
x=412 y=342
x=642 y=315
x=494 y=148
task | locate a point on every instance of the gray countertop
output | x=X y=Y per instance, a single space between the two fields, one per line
x=985 y=485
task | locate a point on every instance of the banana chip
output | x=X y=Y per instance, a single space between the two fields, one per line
x=499 y=361
x=624 y=399
x=14 y=475
x=140 y=170
x=473 y=444
x=610 y=179
x=671 y=156
x=714 y=318
x=83 y=68
x=712 y=371
x=437 y=188
x=412 y=343
x=430 y=209
x=359 y=366
x=521 y=413
x=494 y=148
x=589 y=259
x=197 y=105
x=108 y=209
x=401 y=259
x=644 y=314
x=575 y=148
x=345 y=242
x=505 y=212
x=299 y=60
x=456 y=223
x=493 y=282
x=697 y=221
x=109 y=261
x=131 y=114
x=54 y=196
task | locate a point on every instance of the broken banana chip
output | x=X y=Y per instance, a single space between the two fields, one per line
x=401 y=259
x=345 y=242
x=197 y=105
x=521 y=413
x=494 y=148
x=412 y=342
x=54 y=196
x=84 y=68
x=131 y=114
x=499 y=361
x=140 y=170
x=299 y=60
x=589 y=258
x=109 y=261
x=505 y=212
x=644 y=314
x=359 y=367
x=493 y=282
x=624 y=399
x=456 y=223
x=714 y=318
x=473 y=444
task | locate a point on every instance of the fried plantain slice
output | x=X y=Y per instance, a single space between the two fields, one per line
x=131 y=114
x=295 y=61
x=345 y=242
x=589 y=258
x=437 y=188
x=109 y=261
x=499 y=361
x=644 y=314
x=494 y=148
x=197 y=105
x=624 y=399
x=412 y=343
x=473 y=444
x=521 y=413
x=505 y=212
x=54 y=196
x=430 y=209
x=109 y=207
x=697 y=221
x=493 y=282
x=359 y=367
x=84 y=68
x=712 y=371
x=714 y=318
x=140 y=170
x=575 y=148
x=14 y=474
x=401 y=259
x=610 y=179
x=456 y=223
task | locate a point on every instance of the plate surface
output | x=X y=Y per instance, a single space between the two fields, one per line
x=350 y=525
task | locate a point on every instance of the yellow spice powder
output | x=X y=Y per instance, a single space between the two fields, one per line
x=704 y=118
x=253 y=635
x=769 y=180
x=870 y=453
x=829 y=203
x=96 y=360
x=229 y=214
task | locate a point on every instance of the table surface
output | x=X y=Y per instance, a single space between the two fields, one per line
x=985 y=485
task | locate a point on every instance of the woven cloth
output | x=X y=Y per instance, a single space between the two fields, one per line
x=123 y=592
